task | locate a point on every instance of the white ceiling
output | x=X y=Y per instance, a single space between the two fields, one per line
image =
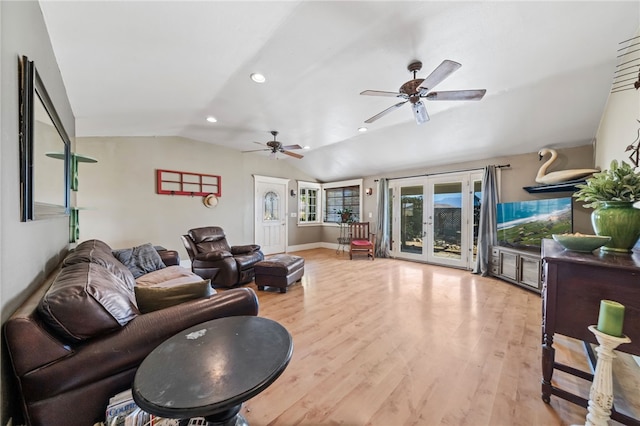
x=161 y=67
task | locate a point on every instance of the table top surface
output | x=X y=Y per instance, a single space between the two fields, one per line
x=212 y=367
x=552 y=250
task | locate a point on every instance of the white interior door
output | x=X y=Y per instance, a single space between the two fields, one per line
x=271 y=214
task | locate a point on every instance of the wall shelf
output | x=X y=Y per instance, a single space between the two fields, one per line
x=75 y=159
x=568 y=186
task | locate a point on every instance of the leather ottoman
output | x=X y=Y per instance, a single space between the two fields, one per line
x=280 y=271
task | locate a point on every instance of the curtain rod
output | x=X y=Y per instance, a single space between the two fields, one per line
x=501 y=166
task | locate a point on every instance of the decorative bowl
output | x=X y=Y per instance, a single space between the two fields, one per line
x=581 y=242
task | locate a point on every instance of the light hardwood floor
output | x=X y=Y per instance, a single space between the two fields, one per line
x=391 y=342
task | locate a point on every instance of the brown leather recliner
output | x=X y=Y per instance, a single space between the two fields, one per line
x=213 y=258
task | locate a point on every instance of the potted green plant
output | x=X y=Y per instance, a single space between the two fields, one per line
x=612 y=194
x=346 y=214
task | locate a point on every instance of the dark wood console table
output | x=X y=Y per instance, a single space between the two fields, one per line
x=573 y=285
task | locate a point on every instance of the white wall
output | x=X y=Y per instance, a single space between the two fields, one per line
x=28 y=251
x=619 y=125
x=123 y=208
x=29 y=248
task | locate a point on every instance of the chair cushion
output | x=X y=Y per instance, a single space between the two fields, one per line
x=246 y=261
x=248 y=248
x=213 y=255
x=361 y=243
x=140 y=260
x=164 y=295
x=208 y=233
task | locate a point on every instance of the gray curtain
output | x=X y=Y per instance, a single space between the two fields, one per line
x=382 y=232
x=487 y=232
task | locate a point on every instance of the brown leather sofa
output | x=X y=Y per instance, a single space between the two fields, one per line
x=79 y=338
x=213 y=258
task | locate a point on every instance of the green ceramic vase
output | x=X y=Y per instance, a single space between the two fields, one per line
x=619 y=220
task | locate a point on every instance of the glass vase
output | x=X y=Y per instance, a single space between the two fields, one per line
x=619 y=220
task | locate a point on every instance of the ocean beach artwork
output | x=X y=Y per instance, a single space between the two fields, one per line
x=526 y=223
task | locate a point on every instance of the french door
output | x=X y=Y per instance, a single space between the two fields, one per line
x=435 y=218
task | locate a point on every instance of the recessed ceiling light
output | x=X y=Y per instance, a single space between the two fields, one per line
x=306 y=147
x=362 y=129
x=258 y=78
x=211 y=119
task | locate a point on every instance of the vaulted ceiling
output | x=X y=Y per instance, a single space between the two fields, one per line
x=161 y=67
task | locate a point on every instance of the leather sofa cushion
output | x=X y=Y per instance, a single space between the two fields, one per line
x=169 y=276
x=86 y=300
x=98 y=252
x=161 y=296
x=140 y=259
x=94 y=244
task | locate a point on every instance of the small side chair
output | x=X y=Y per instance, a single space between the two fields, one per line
x=362 y=241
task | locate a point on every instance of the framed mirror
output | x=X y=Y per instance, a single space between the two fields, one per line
x=45 y=150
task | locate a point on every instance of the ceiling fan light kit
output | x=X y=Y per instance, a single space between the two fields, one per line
x=421 y=88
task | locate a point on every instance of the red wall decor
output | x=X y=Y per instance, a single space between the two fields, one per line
x=172 y=182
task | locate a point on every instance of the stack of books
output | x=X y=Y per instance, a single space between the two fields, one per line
x=123 y=411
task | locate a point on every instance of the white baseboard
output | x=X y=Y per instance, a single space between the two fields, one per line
x=332 y=246
x=299 y=247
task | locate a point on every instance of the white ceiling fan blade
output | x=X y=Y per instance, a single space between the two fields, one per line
x=382 y=93
x=291 y=147
x=292 y=154
x=443 y=71
x=457 y=95
x=420 y=112
x=385 y=112
x=257 y=150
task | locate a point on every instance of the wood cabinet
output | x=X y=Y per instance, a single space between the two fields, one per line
x=521 y=267
x=573 y=286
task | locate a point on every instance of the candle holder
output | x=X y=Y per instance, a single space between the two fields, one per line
x=601 y=393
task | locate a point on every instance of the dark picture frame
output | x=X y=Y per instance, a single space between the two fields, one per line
x=44 y=191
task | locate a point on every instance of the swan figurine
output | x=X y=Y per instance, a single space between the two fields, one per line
x=561 y=175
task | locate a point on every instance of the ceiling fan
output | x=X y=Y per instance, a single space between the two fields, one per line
x=414 y=90
x=274 y=146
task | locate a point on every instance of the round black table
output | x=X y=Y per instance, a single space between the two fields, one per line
x=210 y=369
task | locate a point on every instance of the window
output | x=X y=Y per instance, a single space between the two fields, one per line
x=320 y=203
x=309 y=202
x=271 y=207
x=341 y=195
